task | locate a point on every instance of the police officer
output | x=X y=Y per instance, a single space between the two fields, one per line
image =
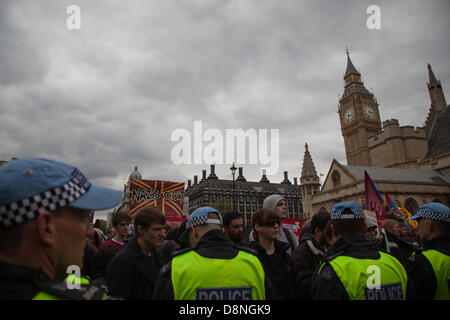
x=356 y=270
x=214 y=268
x=430 y=267
x=44 y=219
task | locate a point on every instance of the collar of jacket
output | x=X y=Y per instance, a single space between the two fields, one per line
x=356 y=246
x=135 y=250
x=280 y=246
x=440 y=243
x=214 y=244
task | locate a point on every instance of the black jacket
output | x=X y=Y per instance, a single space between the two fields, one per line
x=213 y=244
x=420 y=270
x=131 y=274
x=22 y=283
x=328 y=286
x=283 y=281
x=397 y=247
x=306 y=258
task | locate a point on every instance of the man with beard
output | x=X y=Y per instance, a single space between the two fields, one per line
x=233 y=227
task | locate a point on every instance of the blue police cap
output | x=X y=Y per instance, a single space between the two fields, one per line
x=200 y=217
x=433 y=211
x=30 y=186
x=339 y=208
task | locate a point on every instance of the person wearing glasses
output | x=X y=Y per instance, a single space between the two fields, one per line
x=273 y=253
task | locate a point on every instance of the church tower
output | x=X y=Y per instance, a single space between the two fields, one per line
x=359 y=116
x=438 y=103
x=309 y=183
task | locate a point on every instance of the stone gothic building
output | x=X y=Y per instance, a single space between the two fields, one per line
x=411 y=164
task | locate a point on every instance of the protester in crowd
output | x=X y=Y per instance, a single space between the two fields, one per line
x=121 y=222
x=273 y=253
x=430 y=267
x=309 y=254
x=372 y=232
x=306 y=229
x=329 y=237
x=233 y=227
x=211 y=262
x=44 y=220
x=170 y=244
x=278 y=204
x=390 y=241
x=349 y=273
x=132 y=272
x=110 y=233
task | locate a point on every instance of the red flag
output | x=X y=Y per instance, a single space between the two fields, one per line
x=373 y=202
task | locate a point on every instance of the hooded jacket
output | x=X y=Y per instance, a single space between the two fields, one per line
x=285 y=235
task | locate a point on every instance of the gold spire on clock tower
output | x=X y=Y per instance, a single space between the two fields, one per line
x=359 y=116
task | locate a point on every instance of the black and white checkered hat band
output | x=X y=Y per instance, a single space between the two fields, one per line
x=50 y=200
x=339 y=216
x=432 y=215
x=198 y=221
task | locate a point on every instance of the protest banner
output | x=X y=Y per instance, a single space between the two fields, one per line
x=294 y=225
x=166 y=195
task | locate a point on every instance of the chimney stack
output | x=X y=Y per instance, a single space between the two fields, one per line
x=203 y=176
x=195 y=180
x=241 y=176
x=286 y=180
x=212 y=175
x=189 y=183
x=295 y=181
x=264 y=177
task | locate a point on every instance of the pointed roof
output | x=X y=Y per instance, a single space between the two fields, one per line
x=355 y=85
x=431 y=77
x=350 y=67
x=308 y=168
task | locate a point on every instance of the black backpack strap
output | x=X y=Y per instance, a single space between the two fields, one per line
x=289 y=238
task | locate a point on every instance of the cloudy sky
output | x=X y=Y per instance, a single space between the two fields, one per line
x=108 y=97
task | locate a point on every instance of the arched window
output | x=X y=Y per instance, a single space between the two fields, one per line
x=336 y=177
x=411 y=205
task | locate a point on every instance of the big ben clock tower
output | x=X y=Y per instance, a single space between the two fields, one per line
x=359 y=115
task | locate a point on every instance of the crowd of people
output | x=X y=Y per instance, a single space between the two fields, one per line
x=46 y=214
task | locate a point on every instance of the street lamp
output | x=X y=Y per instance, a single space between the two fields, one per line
x=233 y=172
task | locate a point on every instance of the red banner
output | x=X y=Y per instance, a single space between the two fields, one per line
x=373 y=202
x=167 y=196
x=294 y=225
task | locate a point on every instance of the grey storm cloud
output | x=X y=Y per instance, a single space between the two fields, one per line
x=108 y=97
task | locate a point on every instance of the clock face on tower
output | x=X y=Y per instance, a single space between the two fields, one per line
x=369 y=112
x=349 y=115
